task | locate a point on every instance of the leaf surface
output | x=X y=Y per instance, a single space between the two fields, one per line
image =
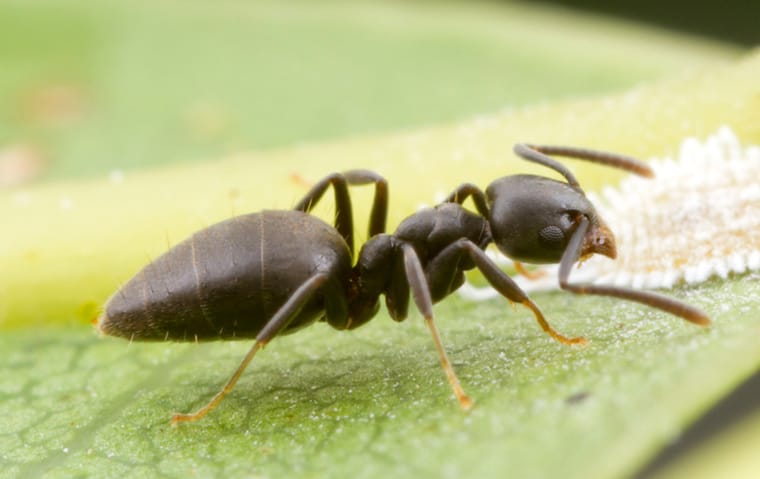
x=372 y=402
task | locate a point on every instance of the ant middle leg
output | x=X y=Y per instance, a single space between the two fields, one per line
x=415 y=276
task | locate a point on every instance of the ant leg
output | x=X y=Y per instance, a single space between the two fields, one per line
x=279 y=321
x=344 y=222
x=421 y=293
x=397 y=292
x=538 y=154
x=509 y=289
x=464 y=191
x=655 y=300
x=344 y=211
x=526 y=273
x=379 y=212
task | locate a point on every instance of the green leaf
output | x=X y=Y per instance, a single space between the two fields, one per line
x=373 y=402
x=97 y=86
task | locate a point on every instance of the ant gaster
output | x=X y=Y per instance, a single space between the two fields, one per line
x=273 y=272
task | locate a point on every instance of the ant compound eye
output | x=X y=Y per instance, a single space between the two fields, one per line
x=552 y=236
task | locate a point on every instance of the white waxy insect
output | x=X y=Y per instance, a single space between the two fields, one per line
x=697 y=219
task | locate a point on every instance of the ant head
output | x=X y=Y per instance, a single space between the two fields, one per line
x=532 y=219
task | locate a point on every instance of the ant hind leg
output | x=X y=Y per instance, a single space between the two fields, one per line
x=279 y=321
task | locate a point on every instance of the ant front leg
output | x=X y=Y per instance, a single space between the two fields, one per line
x=501 y=283
x=659 y=301
x=525 y=272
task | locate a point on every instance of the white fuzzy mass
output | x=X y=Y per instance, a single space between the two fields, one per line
x=699 y=217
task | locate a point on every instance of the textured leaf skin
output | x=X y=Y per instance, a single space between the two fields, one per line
x=374 y=401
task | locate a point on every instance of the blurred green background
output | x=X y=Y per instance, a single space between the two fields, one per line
x=91 y=87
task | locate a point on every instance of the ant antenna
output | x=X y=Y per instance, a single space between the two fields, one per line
x=538 y=154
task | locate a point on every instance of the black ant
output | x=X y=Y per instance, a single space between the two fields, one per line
x=269 y=273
